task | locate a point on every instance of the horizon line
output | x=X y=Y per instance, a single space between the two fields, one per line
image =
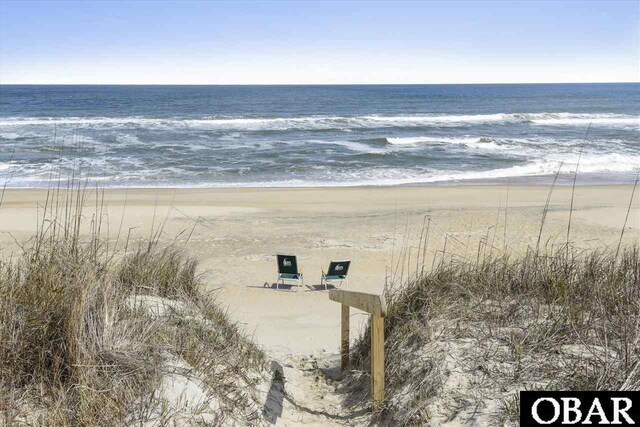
x=315 y=84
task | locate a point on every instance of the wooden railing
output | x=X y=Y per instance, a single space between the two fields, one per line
x=374 y=305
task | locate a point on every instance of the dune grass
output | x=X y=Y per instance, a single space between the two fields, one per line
x=90 y=334
x=468 y=336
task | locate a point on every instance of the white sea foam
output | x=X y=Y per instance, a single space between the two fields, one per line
x=351 y=145
x=588 y=164
x=9 y=135
x=334 y=122
x=411 y=140
x=563 y=119
x=597 y=163
x=542 y=167
x=141 y=177
x=468 y=141
x=417 y=120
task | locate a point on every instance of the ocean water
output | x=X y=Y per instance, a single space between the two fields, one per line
x=184 y=136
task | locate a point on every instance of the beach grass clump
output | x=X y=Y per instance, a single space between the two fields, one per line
x=92 y=337
x=68 y=343
x=159 y=271
x=462 y=340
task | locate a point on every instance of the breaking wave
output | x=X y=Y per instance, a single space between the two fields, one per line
x=334 y=122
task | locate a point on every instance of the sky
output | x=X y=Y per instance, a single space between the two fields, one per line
x=318 y=42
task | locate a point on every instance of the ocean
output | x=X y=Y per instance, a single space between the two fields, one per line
x=345 y=135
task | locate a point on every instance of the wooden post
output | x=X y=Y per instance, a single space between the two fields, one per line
x=377 y=361
x=376 y=306
x=345 y=338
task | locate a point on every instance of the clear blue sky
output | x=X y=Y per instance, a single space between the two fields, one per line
x=263 y=42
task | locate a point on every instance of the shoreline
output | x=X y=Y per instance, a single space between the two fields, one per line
x=524 y=182
x=458 y=186
x=563 y=179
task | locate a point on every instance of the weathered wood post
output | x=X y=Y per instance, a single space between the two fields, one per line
x=344 y=338
x=376 y=306
x=377 y=361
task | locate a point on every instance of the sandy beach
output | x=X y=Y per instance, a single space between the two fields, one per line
x=235 y=233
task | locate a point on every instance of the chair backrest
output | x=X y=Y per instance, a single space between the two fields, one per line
x=338 y=268
x=287 y=264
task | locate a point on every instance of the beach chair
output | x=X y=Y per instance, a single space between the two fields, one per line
x=337 y=272
x=288 y=270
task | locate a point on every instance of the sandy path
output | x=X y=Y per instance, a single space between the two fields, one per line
x=307 y=393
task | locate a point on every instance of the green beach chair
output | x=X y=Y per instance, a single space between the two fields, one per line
x=288 y=270
x=337 y=272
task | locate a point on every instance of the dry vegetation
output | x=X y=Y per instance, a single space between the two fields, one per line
x=462 y=340
x=92 y=335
